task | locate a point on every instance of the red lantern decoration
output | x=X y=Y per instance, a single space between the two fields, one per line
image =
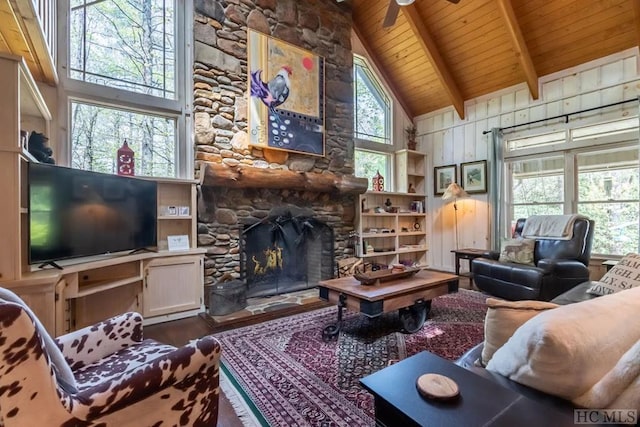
x=378 y=182
x=126 y=163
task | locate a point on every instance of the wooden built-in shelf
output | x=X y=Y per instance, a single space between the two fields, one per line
x=106 y=284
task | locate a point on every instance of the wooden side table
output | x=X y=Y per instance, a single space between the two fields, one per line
x=610 y=263
x=468 y=254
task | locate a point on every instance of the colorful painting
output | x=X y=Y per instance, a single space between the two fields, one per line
x=286 y=96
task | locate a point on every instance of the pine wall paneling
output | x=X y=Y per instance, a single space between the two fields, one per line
x=449 y=140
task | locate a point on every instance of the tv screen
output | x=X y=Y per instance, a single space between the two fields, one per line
x=75 y=213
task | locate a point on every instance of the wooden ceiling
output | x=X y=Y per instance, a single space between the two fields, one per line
x=439 y=53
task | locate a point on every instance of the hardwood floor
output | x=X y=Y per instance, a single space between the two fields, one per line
x=180 y=332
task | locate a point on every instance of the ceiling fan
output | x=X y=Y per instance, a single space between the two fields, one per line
x=394 y=8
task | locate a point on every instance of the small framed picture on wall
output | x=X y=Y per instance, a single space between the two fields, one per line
x=474 y=176
x=442 y=177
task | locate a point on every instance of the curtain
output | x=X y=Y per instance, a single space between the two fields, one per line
x=496 y=156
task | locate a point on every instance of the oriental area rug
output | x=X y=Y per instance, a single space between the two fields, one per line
x=284 y=374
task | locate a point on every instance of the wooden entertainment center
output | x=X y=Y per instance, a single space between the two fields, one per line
x=161 y=285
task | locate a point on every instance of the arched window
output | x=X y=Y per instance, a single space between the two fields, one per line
x=372 y=124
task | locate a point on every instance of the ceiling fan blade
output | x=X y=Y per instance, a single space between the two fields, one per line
x=454 y=1
x=392 y=14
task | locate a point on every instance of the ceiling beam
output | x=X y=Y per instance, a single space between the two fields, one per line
x=636 y=14
x=431 y=50
x=387 y=79
x=520 y=46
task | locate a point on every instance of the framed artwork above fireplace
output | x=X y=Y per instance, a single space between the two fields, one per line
x=286 y=96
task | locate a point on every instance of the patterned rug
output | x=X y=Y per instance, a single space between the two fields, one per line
x=288 y=376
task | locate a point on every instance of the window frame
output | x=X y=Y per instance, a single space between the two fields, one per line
x=570 y=150
x=178 y=109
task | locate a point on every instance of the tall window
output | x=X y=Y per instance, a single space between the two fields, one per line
x=372 y=124
x=124 y=59
x=537 y=187
x=592 y=170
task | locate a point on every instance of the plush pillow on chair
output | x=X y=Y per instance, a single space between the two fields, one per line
x=519 y=251
x=63 y=372
x=502 y=320
x=624 y=275
x=572 y=348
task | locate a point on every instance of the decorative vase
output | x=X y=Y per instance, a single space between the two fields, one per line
x=125 y=162
x=378 y=182
x=412 y=144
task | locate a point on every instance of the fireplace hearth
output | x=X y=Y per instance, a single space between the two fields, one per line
x=286 y=252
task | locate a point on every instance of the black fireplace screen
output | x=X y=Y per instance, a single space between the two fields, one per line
x=285 y=254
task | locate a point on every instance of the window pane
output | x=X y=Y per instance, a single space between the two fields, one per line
x=98 y=132
x=124 y=44
x=538 y=180
x=604 y=129
x=536 y=141
x=616 y=227
x=372 y=106
x=368 y=163
x=608 y=175
x=608 y=194
x=538 y=187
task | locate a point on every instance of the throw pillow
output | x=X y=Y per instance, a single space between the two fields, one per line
x=502 y=320
x=568 y=350
x=624 y=275
x=64 y=375
x=519 y=251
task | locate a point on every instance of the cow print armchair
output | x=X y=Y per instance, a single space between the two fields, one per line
x=102 y=375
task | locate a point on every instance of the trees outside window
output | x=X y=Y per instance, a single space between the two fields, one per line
x=372 y=124
x=121 y=77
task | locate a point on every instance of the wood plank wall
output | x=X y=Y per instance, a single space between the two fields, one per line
x=449 y=140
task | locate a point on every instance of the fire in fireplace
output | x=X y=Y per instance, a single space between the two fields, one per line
x=286 y=252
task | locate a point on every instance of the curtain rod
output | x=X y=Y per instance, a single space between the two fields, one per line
x=566 y=116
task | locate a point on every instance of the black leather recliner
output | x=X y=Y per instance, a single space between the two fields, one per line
x=559 y=266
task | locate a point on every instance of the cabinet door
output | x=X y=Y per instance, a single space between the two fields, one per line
x=172 y=285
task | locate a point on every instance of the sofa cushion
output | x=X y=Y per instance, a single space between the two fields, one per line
x=502 y=320
x=624 y=275
x=519 y=251
x=568 y=350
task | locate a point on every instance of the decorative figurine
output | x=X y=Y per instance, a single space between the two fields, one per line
x=388 y=205
x=411 y=188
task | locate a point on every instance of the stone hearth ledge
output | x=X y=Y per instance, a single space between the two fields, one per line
x=241 y=176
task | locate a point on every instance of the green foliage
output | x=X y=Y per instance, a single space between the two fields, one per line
x=368 y=163
x=98 y=133
x=372 y=106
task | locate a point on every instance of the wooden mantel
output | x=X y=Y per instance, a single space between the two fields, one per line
x=222 y=175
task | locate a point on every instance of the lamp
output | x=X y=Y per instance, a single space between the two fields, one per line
x=404 y=2
x=454 y=192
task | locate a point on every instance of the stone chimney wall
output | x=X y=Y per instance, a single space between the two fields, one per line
x=220 y=118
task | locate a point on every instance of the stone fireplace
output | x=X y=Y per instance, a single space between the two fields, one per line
x=241 y=184
x=285 y=252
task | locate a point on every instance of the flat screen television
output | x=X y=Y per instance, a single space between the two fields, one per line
x=77 y=213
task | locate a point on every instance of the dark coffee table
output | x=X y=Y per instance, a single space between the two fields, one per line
x=481 y=402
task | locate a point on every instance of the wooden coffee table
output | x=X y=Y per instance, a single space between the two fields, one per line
x=411 y=296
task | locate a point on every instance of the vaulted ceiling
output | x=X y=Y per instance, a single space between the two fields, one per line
x=439 y=53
